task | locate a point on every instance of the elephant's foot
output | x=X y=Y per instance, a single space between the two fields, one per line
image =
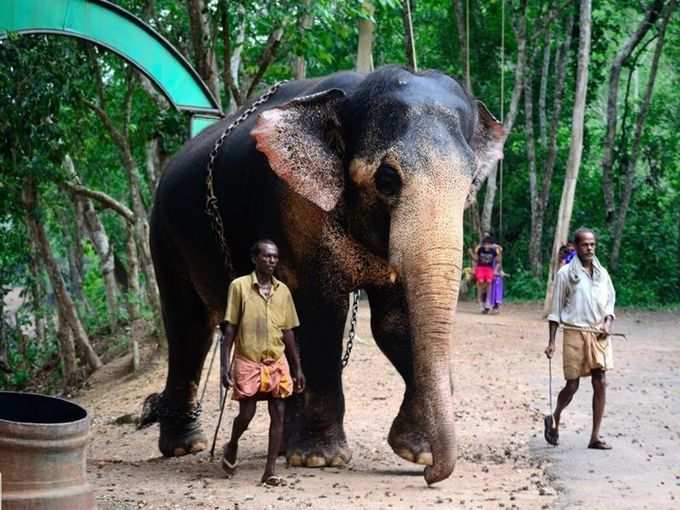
x=181 y=432
x=181 y=439
x=409 y=442
x=320 y=448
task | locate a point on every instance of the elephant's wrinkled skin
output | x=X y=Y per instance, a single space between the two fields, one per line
x=361 y=180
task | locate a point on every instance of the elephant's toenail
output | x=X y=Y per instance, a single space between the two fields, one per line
x=338 y=461
x=316 y=461
x=425 y=458
x=295 y=459
x=406 y=454
x=198 y=447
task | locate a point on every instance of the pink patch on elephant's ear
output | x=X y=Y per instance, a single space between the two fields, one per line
x=295 y=139
x=487 y=144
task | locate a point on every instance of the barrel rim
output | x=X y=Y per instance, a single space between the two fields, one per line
x=85 y=418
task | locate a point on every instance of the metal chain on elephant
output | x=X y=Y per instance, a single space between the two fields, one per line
x=213 y=211
x=352 y=329
x=211 y=207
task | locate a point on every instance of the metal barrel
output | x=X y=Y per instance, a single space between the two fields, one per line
x=43 y=441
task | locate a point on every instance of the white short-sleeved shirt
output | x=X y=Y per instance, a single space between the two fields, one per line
x=579 y=299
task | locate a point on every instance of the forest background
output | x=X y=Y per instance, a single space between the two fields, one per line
x=84 y=136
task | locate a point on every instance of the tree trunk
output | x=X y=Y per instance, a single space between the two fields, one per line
x=153 y=162
x=201 y=38
x=561 y=64
x=74 y=271
x=232 y=54
x=100 y=240
x=543 y=91
x=521 y=35
x=463 y=41
x=38 y=293
x=576 y=147
x=304 y=24
x=121 y=140
x=635 y=150
x=409 y=39
x=141 y=226
x=489 y=197
x=651 y=15
x=4 y=361
x=64 y=301
x=534 y=250
x=267 y=57
x=365 y=46
x=67 y=352
x=133 y=295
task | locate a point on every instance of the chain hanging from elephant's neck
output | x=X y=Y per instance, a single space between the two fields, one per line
x=213 y=211
x=352 y=329
x=211 y=207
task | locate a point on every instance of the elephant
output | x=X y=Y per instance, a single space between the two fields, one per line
x=361 y=180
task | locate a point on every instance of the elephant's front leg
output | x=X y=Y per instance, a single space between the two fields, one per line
x=314 y=433
x=390 y=327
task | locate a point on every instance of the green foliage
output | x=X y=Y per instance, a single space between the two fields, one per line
x=29 y=359
x=523 y=286
x=44 y=82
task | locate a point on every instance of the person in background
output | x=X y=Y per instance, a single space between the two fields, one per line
x=486 y=259
x=494 y=296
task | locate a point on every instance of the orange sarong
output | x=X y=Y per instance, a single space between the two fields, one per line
x=268 y=376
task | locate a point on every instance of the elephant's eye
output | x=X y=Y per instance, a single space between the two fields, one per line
x=387 y=181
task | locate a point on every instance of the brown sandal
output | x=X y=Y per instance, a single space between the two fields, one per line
x=549 y=432
x=599 y=445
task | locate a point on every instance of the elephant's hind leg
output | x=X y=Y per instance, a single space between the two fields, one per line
x=189 y=328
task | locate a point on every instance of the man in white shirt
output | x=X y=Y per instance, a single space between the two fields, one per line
x=583 y=302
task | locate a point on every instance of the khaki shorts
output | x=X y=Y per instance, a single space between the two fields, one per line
x=583 y=353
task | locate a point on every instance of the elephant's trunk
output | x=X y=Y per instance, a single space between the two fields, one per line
x=430 y=271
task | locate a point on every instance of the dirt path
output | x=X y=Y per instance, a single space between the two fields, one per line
x=503 y=462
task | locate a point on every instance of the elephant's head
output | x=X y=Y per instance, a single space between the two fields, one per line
x=399 y=154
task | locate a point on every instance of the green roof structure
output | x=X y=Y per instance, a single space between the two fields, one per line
x=112 y=27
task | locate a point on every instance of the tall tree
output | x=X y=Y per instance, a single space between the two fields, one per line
x=100 y=240
x=66 y=306
x=365 y=45
x=519 y=23
x=120 y=136
x=304 y=24
x=632 y=159
x=203 y=45
x=576 y=147
x=409 y=40
x=539 y=190
x=651 y=15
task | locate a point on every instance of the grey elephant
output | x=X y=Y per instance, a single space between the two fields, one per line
x=361 y=180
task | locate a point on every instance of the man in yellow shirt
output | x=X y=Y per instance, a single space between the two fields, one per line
x=258 y=322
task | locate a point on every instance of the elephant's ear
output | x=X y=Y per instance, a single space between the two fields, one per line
x=487 y=144
x=302 y=142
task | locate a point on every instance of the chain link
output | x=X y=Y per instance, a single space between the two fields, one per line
x=352 y=329
x=211 y=207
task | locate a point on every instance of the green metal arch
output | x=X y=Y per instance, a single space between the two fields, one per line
x=112 y=27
